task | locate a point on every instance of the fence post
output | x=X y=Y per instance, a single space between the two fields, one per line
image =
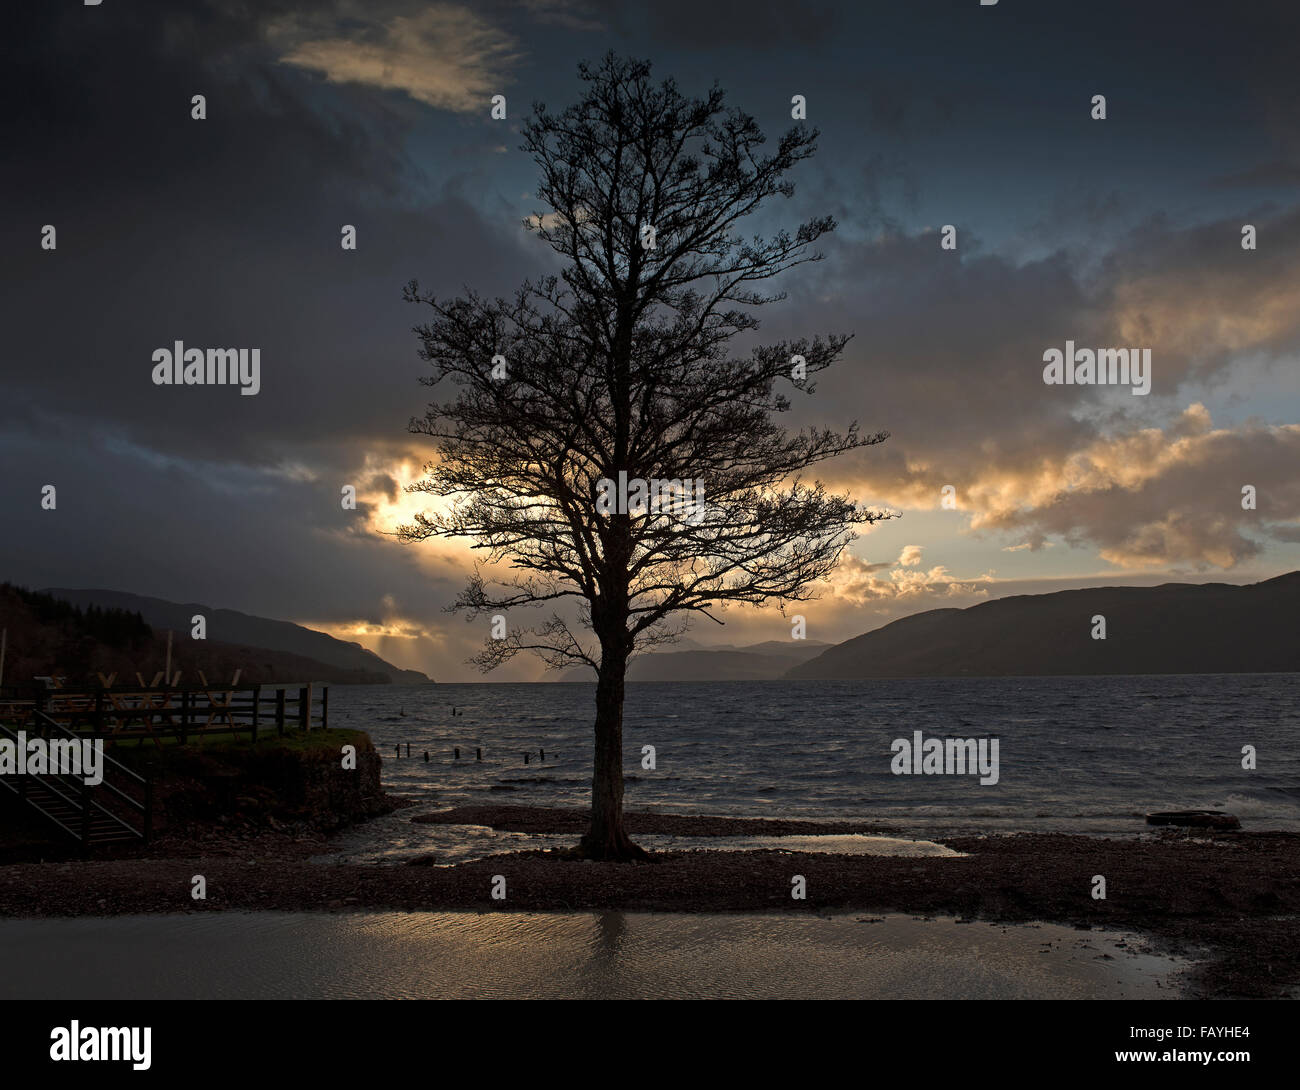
x=324 y=707
x=257 y=698
x=279 y=712
x=304 y=708
x=85 y=816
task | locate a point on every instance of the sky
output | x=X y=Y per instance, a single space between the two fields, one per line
x=1117 y=232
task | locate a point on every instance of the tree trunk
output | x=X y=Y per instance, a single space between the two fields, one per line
x=606 y=838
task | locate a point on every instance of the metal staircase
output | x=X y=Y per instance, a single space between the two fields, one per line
x=117 y=810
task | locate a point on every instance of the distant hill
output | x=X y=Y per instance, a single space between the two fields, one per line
x=47 y=635
x=1175 y=628
x=252 y=634
x=757 y=662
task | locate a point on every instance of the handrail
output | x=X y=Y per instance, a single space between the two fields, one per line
x=76 y=801
x=189 y=687
x=74 y=792
x=118 y=765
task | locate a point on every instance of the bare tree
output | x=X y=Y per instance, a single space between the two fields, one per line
x=620 y=365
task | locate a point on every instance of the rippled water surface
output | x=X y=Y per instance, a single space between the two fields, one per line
x=607 y=955
x=1086 y=754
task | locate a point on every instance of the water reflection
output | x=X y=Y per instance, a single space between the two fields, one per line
x=608 y=931
x=600 y=955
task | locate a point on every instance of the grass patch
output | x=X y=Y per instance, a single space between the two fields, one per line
x=312 y=745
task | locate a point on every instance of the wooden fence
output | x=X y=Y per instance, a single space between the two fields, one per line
x=118 y=713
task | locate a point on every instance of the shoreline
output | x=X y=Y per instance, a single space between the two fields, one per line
x=574 y=820
x=1229 y=900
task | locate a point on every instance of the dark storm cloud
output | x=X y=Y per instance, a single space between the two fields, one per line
x=1275 y=174
x=229 y=536
x=1200 y=297
x=384 y=484
x=222 y=232
x=955 y=345
x=948 y=358
x=909 y=371
x=1084 y=215
x=101 y=107
x=721 y=24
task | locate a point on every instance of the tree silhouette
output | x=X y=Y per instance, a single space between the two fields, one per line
x=620 y=364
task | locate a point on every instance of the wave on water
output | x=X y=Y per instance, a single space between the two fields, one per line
x=1085 y=754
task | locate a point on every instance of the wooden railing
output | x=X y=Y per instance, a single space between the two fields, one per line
x=117 y=713
x=118 y=808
